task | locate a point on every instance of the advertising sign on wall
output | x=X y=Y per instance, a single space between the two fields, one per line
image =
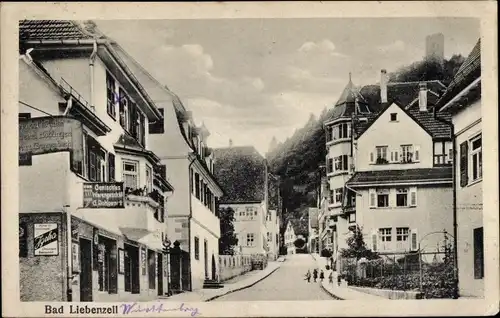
x=50 y=134
x=75 y=253
x=107 y=195
x=143 y=260
x=46 y=239
x=121 y=261
x=23 y=240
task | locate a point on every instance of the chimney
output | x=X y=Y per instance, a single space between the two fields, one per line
x=383 y=86
x=422 y=97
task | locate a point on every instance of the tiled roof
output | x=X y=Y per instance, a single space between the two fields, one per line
x=313 y=218
x=469 y=71
x=369 y=97
x=129 y=141
x=395 y=176
x=436 y=128
x=51 y=30
x=241 y=171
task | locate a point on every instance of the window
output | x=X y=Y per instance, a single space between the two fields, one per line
x=130 y=174
x=196 y=248
x=111 y=167
x=352 y=217
x=478 y=253
x=406 y=153
x=269 y=236
x=269 y=216
x=381 y=154
x=385 y=234
x=95 y=159
x=382 y=199
x=402 y=197
x=158 y=126
x=476 y=158
x=332 y=196
x=124 y=109
x=402 y=234
x=149 y=179
x=338 y=195
x=330 y=165
x=341 y=131
x=197 y=185
x=250 y=239
x=111 y=96
x=341 y=163
x=394 y=117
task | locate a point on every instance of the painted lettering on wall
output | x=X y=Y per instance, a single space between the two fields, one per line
x=46 y=241
x=50 y=134
x=103 y=195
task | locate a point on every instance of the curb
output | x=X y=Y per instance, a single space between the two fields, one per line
x=330 y=293
x=244 y=287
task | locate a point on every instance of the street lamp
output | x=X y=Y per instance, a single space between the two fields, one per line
x=166 y=244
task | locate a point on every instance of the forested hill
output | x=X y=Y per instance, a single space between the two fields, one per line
x=297 y=159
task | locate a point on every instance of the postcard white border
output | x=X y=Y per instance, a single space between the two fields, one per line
x=485 y=10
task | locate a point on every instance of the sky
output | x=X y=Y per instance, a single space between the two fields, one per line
x=248 y=80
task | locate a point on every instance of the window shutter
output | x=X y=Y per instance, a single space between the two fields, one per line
x=371 y=157
x=414 y=240
x=396 y=158
x=374 y=241
x=464 y=149
x=373 y=198
x=111 y=167
x=392 y=156
x=413 y=196
x=417 y=153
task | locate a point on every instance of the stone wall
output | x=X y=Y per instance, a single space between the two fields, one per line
x=233 y=265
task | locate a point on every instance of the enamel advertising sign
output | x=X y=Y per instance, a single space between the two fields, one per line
x=46 y=239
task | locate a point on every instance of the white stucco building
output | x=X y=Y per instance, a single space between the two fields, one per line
x=192 y=210
x=85 y=153
x=290 y=238
x=253 y=193
x=463 y=100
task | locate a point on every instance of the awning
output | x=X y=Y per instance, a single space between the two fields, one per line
x=142 y=236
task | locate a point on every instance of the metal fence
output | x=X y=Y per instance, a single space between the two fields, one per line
x=433 y=274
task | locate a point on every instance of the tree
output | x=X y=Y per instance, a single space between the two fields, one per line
x=299 y=243
x=356 y=246
x=228 y=238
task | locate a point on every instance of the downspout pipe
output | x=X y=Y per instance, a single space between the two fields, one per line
x=454 y=200
x=91 y=66
x=190 y=216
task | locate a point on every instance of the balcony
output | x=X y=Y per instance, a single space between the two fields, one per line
x=349 y=209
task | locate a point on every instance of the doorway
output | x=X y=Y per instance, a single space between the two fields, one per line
x=132 y=269
x=85 y=270
x=160 y=274
x=214 y=270
x=205 y=256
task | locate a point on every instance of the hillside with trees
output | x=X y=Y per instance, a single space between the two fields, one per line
x=297 y=160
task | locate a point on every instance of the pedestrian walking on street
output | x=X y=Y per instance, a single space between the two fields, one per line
x=321 y=275
x=308 y=276
x=330 y=277
x=315 y=274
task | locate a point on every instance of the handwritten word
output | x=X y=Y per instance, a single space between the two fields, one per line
x=157 y=308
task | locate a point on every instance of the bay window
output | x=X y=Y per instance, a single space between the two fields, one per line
x=340 y=163
x=341 y=131
x=130 y=174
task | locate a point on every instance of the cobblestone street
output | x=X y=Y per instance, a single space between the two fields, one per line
x=287 y=283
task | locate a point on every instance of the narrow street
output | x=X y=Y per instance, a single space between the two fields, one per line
x=287 y=283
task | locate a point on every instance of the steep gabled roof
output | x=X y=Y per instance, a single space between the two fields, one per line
x=468 y=72
x=433 y=126
x=51 y=30
x=241 y=171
